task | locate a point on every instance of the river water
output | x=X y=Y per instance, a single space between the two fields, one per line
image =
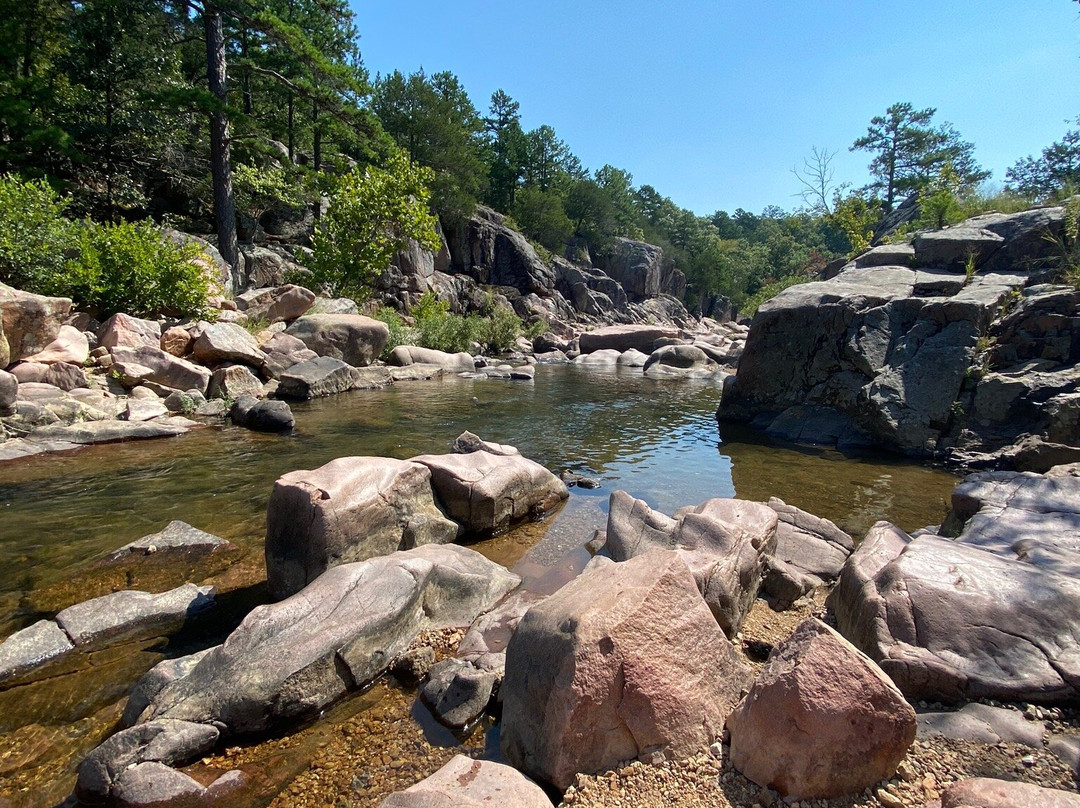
x=656 y=439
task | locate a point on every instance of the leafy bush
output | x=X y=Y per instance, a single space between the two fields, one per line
x=33 y=232
x=436 y=327
x=131 y=268
x=400 y=332
x=372 y=214
x=501 y=329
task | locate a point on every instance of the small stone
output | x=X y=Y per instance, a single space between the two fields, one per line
x=907 y=774
x=1028 y=760
x=888 y=799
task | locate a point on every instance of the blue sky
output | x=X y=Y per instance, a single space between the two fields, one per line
x=714 y=103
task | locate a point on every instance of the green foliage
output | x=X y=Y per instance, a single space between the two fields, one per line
x=260 y=189
x=768 y=292
x=1068 y=243
x=1046 y=176
x=855 y=216
x=131 y=268
x=542 y=217
x=501 y=329
x=939 y=201
x=33 y=232
x=373 y=213
x=400 y=333
x=436 y=327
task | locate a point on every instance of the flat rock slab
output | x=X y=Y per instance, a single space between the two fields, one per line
x=821 y=720
x=176 y=535
x=624 y=661
x=624 y=337
x=64 y=438
x=983 y=724
x=416 y=372
x=32 y=648
x=287 y=661
x=128 y=614
x=951 y=622
x=164 y=368
x=985 y=792
x=468 y=783
x=350 y=509
x=485 y=492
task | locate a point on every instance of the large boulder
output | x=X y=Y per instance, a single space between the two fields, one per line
x=678 y=360
x=624 y=337
x=821 y=719
x=71 y=346
x=30 y=322
x=404 y=355
x=352 y=338
x=282 y=303
x=468 y=783
x=287 y=661
x=949 y=621
x=155 y=365
x=262 y=416
x=625 y=661
x=486 y=492
x=227 y=342
x=312 y=378
x=124 y=331
x=232 y=381
x=636 y=265
x=725 y=543
x=350 y=509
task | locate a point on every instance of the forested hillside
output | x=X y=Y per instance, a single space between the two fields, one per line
x=219 y=117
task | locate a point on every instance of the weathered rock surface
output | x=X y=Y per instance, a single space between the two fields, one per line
x=352 y=338
x=635 y=265
x=152 y=785
x=31 y=648
x=821 y=719
x=144 y=410
x=678 y=360
x=128 y=614
x=458 y=692
x=410 y=355
x=276 y=304
x=488 y=251
x=624 y=337
x=810 y=551
x=351 y=509
x=468 y=783
x=983 y=724
x=624 y=661
x=125 y=331
x=227 y=342
x=289 y=660
x=985 y=792
x=61 y=438
x=70 y=346
x=164 y=368
x=949 y=621
x=9 y=391
x=725 y=543
x=233 y=381
x=323 y=376
x=30 y=322
x=175 y=340
x=953 y=247
x=486 y=492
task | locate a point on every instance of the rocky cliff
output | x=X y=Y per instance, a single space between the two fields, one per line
x=954 y=342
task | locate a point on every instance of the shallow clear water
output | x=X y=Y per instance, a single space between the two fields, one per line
x=656 y=439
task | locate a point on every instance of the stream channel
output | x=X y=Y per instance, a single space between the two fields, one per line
x=656 y=439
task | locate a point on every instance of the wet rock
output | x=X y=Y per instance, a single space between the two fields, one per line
x=30 y=322
x=289 y=660
x=151 y=682
x=810 y=551
x=232 y=382
x=948 y=621
x=90 y=432
x=485 y=492
x=985 y=792
x=821 y=720
x=458 y=692
x=409 y=355
x=725 y=543
x=415 y=373
x=163 y=741
x=468 y=783
x=983 y=723
x=632 y=358
x=624 y=337
x=467 y=443
x=352 y=338
x=164 y=368
x=350 y=509
x=31 y=648
x=412 y=666
x=262 y=416
x=125 y=331
x=313 y=378
x=175 y=341
x=602 y=358
x=129 y=614
x=677 y=357
x=227 y=342
x=70 y=346
x=592 y=680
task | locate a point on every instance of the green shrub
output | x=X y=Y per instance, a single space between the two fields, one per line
x=131 y=268
x=501 y=329
x=400 y=333
x=33 y=233
x=437 y=328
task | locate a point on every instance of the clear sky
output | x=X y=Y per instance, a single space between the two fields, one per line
x=713 y=103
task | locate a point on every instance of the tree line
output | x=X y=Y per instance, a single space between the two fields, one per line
x=215 y=113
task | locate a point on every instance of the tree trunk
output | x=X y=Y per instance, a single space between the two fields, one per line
x=224 y=204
